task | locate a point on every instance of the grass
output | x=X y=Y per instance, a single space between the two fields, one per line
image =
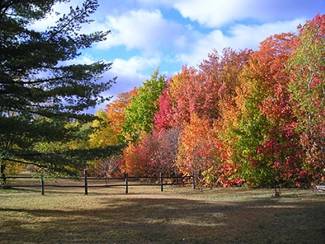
x=178 y=215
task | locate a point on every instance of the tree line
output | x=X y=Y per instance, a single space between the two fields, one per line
x=241 y=117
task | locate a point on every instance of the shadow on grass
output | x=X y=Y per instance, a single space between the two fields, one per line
x=93 y=191
x=60 y=190
x=18 y=190
x=168 y=220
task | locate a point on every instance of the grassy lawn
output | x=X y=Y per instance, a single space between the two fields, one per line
x=178 y=215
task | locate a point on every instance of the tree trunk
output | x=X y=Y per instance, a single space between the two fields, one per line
x=2 y=173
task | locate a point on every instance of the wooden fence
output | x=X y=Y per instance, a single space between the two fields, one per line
x=126 y=182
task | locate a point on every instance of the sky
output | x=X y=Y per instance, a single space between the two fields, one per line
x=166 y=34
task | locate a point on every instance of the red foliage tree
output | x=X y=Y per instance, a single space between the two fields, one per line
x=164 y=116
x=152 y=154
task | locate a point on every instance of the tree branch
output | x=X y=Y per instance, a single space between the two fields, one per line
x=23 y=162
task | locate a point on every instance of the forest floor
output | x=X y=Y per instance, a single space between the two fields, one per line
x=177 y=215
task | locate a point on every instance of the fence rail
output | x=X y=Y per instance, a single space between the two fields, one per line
x=128 y=181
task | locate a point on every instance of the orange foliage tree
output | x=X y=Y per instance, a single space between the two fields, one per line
x=115 y=111
x=198 y=148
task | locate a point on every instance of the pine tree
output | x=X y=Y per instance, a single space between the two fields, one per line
x=41 y=92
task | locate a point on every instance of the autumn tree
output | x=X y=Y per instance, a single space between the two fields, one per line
x=115 y=111
x=107 y=130
x=307 y=87
x=139 y=115
x=139 y=156
x=224 y=70
x=265 y=132
x=164 y=116
x=152 y=154
x=198 y=148
x=103 y=132
x=164 y=159
x=191 y=92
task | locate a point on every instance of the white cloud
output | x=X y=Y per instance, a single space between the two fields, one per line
x=134 y=68
x=213 y=13
x=131 y=71
x=250 y=35
x=143 y=30
x=216 y=13
x=239 y=37
x=130 y=74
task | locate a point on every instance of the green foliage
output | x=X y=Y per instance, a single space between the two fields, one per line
x=250 y=134
x=139 y=115
x=307 y=88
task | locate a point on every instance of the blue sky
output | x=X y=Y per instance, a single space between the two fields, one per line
x=150 y=34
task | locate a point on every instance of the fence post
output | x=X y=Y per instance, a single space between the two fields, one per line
x=277 y=190
x=161 y=182
x=193 y=180
x=86 y=181
x=42 y=185
x=126 y=183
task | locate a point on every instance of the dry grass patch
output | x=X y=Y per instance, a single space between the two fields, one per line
x=148 y=216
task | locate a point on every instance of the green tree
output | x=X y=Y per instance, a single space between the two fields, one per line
x=41 y=92
x=265 y=146
x=307 y=88
x=139 y=115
